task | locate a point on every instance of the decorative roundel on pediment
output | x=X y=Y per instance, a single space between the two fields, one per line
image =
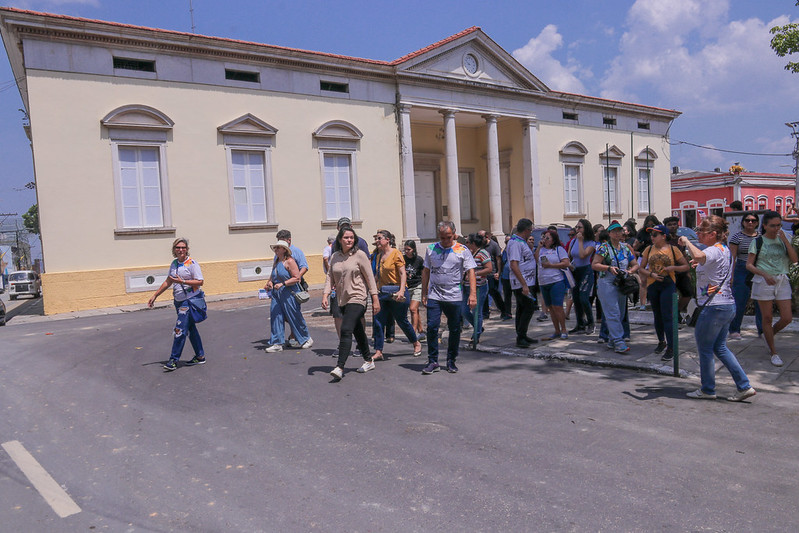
x=471 y=64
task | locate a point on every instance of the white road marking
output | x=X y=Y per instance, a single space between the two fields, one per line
x=52 y=493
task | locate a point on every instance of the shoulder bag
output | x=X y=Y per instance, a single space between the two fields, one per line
x=625 y=282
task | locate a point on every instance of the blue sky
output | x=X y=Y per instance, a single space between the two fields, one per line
x=709 y=59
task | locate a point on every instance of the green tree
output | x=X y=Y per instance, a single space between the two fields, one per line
x=31 y=219
x=786 y=42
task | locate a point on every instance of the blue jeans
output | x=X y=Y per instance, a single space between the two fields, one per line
x=185 y=326
x=398 y=310
x=452 y=310
x=711 y=338
x=660 y=295
x=741 y=293
x=286 y=308
x=581 y=294
x=554 y=293
x=625 y=324
x=476 y=318
x=614 y=305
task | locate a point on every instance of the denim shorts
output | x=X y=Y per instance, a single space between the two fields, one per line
x=554 y=293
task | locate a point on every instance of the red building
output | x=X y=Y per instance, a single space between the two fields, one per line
x=696 y=194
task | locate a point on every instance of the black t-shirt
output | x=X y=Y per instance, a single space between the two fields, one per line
x=413 y=269
x=644 y=239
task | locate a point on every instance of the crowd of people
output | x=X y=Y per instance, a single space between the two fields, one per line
x=597 y=272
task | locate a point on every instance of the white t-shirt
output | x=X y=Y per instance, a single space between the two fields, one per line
x=715 y=271
x=447 y=267
x=554 y=255
x=189 y=269
x=518 y=250
x=326 y=253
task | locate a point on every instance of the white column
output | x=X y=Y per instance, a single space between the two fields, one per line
x=408 y=180
x=451 y=156
x=532 y=178
x=494 y=185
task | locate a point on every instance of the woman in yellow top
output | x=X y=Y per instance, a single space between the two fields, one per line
x=393 y=293
x=659 y=265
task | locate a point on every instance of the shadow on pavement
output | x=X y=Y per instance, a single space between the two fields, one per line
x=29 y=307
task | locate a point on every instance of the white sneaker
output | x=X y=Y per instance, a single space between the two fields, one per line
x=307 y=344
x=293 y=343
x=742 y=395
x=337 y=373
x=275 y=348
x=734 y=336
x=699 y=395
x=775 y=360
x=366 y=367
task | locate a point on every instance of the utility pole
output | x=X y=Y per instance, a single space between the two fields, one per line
x=795 y=134
x=191 y=13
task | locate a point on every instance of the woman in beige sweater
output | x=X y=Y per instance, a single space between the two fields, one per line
x=350 y=275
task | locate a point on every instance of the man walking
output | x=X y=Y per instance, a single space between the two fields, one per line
x=446 y=263
x=522 y=279
x=495 y=252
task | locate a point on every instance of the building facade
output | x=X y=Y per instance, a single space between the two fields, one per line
x=142 y=135
x=696 y=194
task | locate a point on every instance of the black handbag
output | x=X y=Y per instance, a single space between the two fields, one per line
x=626 y=283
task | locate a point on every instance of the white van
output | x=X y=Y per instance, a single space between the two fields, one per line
x=24 y=282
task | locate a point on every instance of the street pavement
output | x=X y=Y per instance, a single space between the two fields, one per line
x=518 y=440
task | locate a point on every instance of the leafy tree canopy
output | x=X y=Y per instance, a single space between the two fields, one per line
x=31 y=219
x=786 y=42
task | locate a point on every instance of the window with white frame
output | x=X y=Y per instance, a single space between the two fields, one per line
x=138 y=137
x=644 y=179
x=572 y=176
x=249 y=198
x=248 y=143
x=645 y=163
x=778 y=205
x=610 y=188
x=338 y=186
x=466 y=183
x=140 y=185
x=338 y=143
x=788 y=205
x=572 y=157
x=749 y=203
x=762 y=202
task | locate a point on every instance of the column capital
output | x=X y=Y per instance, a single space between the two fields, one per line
x=404 y=108
x=490 y=118
x=448 y=113
x=529 y=121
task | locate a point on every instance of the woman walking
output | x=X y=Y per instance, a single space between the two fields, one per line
x=413 y=274
x=739 y=247
x=552 y=261
x=477 y=246
x=581 y=251
x=612 y=258
x=393 y=294
x=770 y=258
x=659 y=264
x=350 y=275
x=284 y=283
x=714 y=267
x=185 y=278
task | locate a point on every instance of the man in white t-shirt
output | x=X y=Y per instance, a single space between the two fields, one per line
x=522 y=279
x=445 y=264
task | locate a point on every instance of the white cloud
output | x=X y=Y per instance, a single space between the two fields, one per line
x=686 y=54
x=536 y=56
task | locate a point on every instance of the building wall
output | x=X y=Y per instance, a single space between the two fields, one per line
x=76 y=189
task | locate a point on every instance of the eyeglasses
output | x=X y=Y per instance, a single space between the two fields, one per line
x=181 y=247
x=750 y=220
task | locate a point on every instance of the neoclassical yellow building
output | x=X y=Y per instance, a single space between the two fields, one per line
x=141 y=135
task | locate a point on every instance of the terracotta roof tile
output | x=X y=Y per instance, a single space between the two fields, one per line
x=615 y=101
x=435 y=45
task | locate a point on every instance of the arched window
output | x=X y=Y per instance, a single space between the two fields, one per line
x=778 y=207
x=749 y=203
x=762 y=202
x=138 y=135
x=572 y=157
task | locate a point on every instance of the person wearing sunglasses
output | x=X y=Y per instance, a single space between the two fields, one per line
x=739 y=247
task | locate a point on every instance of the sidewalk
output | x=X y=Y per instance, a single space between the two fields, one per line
x=499 y=337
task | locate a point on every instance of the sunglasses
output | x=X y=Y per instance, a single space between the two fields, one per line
x=750 y=220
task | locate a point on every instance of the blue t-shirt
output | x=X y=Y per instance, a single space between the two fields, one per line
x=518 y=250
x=574 y=253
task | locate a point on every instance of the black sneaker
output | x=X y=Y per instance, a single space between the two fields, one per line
x=531 y=340
x=430 y=368
x=522 y=343
x=668 y=355
x=171 y=365
x=660 y=348
x=589 y=329
x=451 y=368
x=577 y=329
x=198 y=360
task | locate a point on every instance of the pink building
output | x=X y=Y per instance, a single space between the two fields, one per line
x=696 y=194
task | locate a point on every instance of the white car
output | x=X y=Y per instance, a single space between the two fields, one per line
x=24 y=282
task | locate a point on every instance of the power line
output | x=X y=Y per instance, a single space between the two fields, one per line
x=728 y=151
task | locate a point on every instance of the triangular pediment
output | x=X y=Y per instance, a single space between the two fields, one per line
x=471 y=57
x=247 y=124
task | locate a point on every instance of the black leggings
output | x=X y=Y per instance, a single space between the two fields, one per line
x=352 y=323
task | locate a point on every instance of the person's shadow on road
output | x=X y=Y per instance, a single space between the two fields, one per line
x=654 y=392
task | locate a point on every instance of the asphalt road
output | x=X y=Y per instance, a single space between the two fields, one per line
x=266 y=442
